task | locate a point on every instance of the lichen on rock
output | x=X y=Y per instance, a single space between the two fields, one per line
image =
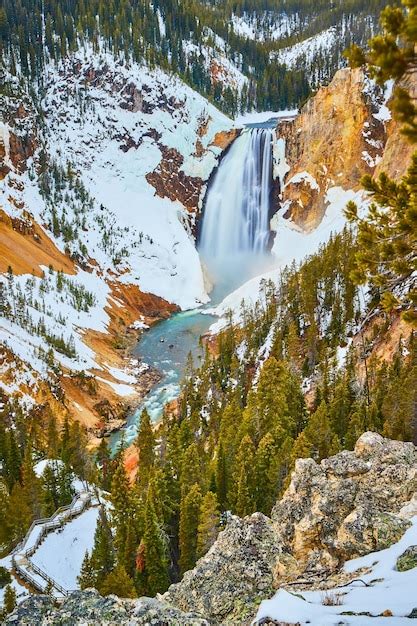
x=407 y=560
x=88 y=607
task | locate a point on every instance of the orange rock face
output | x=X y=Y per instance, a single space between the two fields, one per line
x=224 y=138
x=335 y=140
x=397 y=153
x=25 y=246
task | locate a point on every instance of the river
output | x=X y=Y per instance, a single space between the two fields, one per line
x=165 y=347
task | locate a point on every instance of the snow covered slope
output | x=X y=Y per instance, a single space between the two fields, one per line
x=112 y=122
x=378 y=593
x=102 y=172
x=266 y=26
x=320 y=53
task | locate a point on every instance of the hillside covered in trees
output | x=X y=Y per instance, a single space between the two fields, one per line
x=202 y=42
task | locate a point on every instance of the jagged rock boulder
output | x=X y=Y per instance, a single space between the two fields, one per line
x=88 y=607
x=407 y=560
x=348 y=505
x=237 y=572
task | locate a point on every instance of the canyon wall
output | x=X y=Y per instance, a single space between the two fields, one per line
x=100 y=179
x=343 y=132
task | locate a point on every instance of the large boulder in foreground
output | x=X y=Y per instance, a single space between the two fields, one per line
x=346 y=506
x=88 y=607
x=234 y=575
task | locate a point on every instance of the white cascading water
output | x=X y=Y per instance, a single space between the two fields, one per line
x=235 y=228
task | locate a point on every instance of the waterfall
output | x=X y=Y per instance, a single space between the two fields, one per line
x=236 y=215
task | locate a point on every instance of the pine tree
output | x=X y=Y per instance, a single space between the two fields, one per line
x=387 y=239
x=208 y=524
x=151 y=561
x=244 y=472
x=18 y=515
x=145 y=443
x=102 y=558
x=192 y=469
x=221 y=477
x=50 y=489
x=399 y=406
x=12 y=459
x=87 y=577
x=356 y=426
x=266 y=474
x=121 y=499
x=9 y=599
x=103 y=458
x=267 y=408
x=31 y=484
x=319 y=433
x=119 y=583
x=302 y=448
x=52 y=438
x=128 y=555
x=391 y=55
x=189 y=512
x=387 y=235
x=65 y=451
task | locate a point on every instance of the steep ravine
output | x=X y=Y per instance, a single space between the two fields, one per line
x=233 y=243
x=343 y=132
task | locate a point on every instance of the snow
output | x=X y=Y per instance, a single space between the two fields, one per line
x=21 y=592
x=57 y=545
x=139 y=325
x=389 y=590
x=321 y=43
x=41 y=466
x=77 y=484
x=341 y=354
x=61 y=553
x=369 y=160
x=266 y=26
x=119 y=388
x=216 y=62
x=303 y=177
x=87 y=126
x=264 y=352
x=264 y=116
x=281 y=166
x=121 y=375
x=57 y=311
x=5 y=140
x=131 y=235
x=379 y=100
x=161 y=23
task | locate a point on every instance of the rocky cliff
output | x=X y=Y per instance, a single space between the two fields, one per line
x=342 y=133
x=351 y=504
